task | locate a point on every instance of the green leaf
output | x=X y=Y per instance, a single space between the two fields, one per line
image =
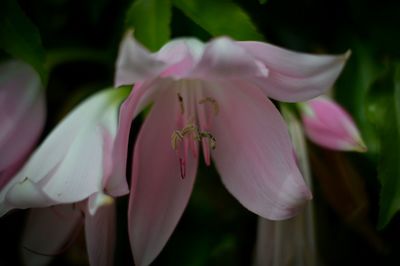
x=150 y=20
x=262 y=1
x=220 y=17
x=353 y=87
x=20 y=38
x=389 y=163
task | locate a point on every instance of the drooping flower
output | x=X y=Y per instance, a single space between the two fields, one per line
x=22 y=115
x=213 y=95
x=50 y=231
x=73 y=171
x=289 y=242
x=329 y=125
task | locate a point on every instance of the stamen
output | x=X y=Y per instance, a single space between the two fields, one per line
x=182 y=166
x=180 y=99
x=176 y=138
x=210 y=137
x=213 y=102
x=178 y=135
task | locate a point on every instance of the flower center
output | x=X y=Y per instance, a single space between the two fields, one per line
x=194 y=124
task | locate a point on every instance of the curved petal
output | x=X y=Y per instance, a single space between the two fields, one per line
x=181 y=55
x=48 y=232
x=135 y=63
x=22 y=113
x=159 y=194
x=22 y=138
x=254 y=154
x=223 y=58
x=100 y=230
x=294 y=76
x=69 y=166
x=141 y=96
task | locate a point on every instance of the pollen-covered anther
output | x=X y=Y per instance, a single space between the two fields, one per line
x=178 y=135
x=197 y=135
x=213 y=102
x=210 y=137
x=176 y=138
x=181 y=105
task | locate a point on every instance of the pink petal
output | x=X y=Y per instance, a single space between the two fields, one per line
x=329 y=125
x=289 y=242
x=295 y=76
x=141 y=96
x=135 y=63
x=70 y=164
x=100 y=230
x=181 y=56
x=159 y=194
x=22 y=115
x=254 y=154
x=48 y=232
x=223 y=58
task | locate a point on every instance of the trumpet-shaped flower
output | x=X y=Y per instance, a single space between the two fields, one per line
x=289 y=242
x=22 y=115
x=75 y=162
x=213 y=96
x=51 y=230
x=74 y=175
x=329 y=125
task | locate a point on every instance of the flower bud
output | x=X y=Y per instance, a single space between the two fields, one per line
x=329 y=125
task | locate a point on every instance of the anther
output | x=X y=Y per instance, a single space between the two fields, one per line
x=210 y=137
x=178 y=135
x=175 y=138
x=213 y=102
x=197 y=135
x=180 y=99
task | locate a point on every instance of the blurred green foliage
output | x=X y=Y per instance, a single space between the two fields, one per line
x=150 y=21
x=20 y=37
x=221 y=17
x=388 y=105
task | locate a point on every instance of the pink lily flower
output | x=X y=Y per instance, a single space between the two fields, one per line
x=213 y=95
x=74 y=172
x=327 y=124
x=22 y=115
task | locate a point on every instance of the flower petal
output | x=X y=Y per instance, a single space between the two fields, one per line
x=254 y=154
x=223 y=58
x=159 y=194
x=141 y=96
x=100 y=230
x=295 y=76
x=181 y=55
x=69 y=165
x=48 y=232
x=289 y=242
x=22 y=115
x=135 y=63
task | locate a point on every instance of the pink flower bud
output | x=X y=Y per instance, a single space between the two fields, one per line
x=329 y=125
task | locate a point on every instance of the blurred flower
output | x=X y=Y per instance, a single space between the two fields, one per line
x=73 y=171
x=213 y=95
x=22 y=115
x=290 y=242
x=329 y=125
x=50 y=231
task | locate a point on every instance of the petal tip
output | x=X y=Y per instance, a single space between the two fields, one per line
x=347 y=55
